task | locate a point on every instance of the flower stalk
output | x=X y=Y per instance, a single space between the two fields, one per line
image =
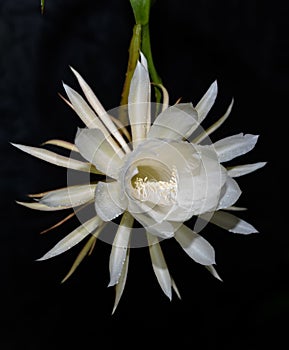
x=140 y=41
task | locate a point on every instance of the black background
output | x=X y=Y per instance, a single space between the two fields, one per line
x=241 y=43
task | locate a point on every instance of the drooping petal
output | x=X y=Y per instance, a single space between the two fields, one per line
x=57 y=159
x=207 y=101
x=195 y=246
x=73 y=238
x=215 y=126
x=60 y=143
x=232 y=223
x=175 y=288
x=109 y=200
x=241 y=170
x=119 y=248
x=165 y=103
x=214 y=272
x=40 y=206
x=234 y=146
x=175 y=123
x=230 y=194
x=94 y=147
x=138 y=103
x=71 y=196
x=61 y=221
x=97 y=106
x=159 y=265
x=119 y=288
x=82 y=254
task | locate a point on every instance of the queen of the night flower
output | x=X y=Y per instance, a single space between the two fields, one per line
x=160 y=174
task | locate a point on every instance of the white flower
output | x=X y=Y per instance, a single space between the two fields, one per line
x=160 y=178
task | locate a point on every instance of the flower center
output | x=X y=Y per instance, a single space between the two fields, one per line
x=156 y=191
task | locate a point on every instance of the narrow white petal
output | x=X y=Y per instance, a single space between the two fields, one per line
x=207 y=101
x=40 y=206
x=232 y=223
x=97 y=106
x=57 y=159
x=82 y=254
x=109 y=200
x=234 y=146
x=143 y=60
x=230 y=193
x=89 y=94
x=165 y=93
x=234 y=208
x=138 y=103
x=215 y=126
x=159 y=265
x=73 y=238
x=71 y=196
x=241 y=170
x=195 y=246
x=94 y=147
x=119 y=248
x=175 y=288
x=175 y=123
x=119 y=288
x=61 y=143
x=213 y=271
x=83 y=110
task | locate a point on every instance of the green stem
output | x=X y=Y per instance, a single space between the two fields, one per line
x=140 y=42
x=42 y=6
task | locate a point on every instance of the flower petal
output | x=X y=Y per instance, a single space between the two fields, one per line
x=213 y=271
x=61 y=143
x=215 y=126
x=195 y=246
x=89 y=94
x=234 y=146
x=159 y=265
x=97 y=106
x=83 y=110
x=71 y=196
x=82 y=254
x=119 y=248
x=230 y=194
x=40 y=206
x=119 y=288
x=175 y=288
x=57 y=159
x=207 y=101
x=109 y=200
x=241 y=170
x=232 y=223
x=138 y=103
x=73 y=238
x=175 y=123
x=162 y=229
x=94 y=147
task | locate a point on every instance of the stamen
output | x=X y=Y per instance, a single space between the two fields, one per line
x=159 y=192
